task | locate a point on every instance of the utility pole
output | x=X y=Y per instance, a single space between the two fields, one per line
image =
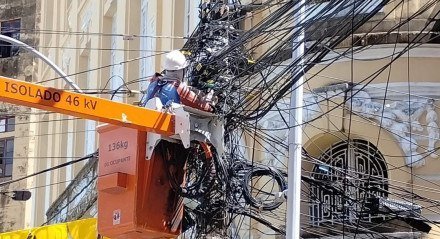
x=295 y=131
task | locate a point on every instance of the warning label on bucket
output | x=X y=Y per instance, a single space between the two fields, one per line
x=117 y=217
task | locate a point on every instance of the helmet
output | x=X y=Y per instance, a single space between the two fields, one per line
x=174 y=61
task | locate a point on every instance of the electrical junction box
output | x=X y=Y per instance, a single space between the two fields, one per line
x=135 y=199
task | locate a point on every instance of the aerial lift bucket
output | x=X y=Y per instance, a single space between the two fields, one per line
x=135 y=199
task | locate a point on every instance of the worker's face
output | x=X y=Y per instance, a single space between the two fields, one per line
x=179 y=74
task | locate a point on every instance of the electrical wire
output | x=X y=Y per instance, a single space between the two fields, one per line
x=2 y=184
x=259 y=95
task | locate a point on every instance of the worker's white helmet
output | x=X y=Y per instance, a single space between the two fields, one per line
x=174 y=61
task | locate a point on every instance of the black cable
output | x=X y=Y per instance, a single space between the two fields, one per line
x=93 y=155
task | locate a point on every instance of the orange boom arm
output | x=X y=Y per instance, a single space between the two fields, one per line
x=84 y=106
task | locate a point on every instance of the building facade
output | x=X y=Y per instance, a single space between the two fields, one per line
x=19 y=20
x=382 y=142
x=106 y=47
x=109 y=47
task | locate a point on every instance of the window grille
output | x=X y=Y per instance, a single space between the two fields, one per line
x=11 y=29
x=7 y=124
x=351 y=173
x=6 y=157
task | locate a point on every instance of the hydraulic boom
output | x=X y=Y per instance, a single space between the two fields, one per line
x=84 y=106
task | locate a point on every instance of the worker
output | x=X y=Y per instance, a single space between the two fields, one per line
x=171 y=87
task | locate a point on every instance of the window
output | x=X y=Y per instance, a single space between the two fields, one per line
x=148 y=44
x=90 y=139
x=90 y=135
x=116 y=69
x=7 y=124
x=357 y=168
x=6 y=156
x=10 y=29
x=191 y=16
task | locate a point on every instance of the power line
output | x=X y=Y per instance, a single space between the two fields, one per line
x=2 y=184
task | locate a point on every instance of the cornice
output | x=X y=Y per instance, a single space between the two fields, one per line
x=384 y=51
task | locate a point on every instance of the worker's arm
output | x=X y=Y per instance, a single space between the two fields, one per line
x=191 y=99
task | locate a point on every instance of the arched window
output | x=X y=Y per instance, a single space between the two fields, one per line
x=351 y=172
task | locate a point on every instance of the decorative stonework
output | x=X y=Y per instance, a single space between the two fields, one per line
x=432 y=127
x=311 y=107
x=400 y=115
x=275 y=154
x=401 y=119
